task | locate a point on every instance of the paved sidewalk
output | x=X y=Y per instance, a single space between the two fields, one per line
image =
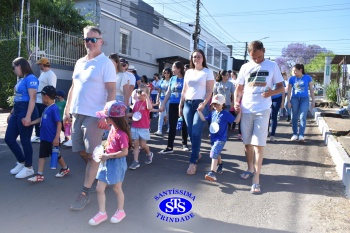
x=301 y=191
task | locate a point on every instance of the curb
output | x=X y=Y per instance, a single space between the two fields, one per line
x=337 y=152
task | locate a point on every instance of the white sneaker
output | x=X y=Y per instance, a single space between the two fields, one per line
x=272 y=139
x=301 y=138
x=158 y=133
x=35 y=139
x=25 y=172
x=68 y=143
x=294 y=138
x=17 y=169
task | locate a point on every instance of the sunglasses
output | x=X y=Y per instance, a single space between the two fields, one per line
x=92 y=39
x=123 y=65
x=14 y=67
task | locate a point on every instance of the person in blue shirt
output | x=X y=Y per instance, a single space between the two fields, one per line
x=218 y=133
x=50 y=129
x=277 y=104
x=298 y=97
x=24 y=110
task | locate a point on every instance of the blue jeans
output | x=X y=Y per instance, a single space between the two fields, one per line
x=275 y=107
x=194 y=126
x=15 y=128
x=162 y=115
x=300 y=107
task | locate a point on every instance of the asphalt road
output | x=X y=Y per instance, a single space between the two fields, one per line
x=299 y=183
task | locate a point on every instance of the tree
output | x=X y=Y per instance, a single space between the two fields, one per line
x=297 y=53
x=317 y=64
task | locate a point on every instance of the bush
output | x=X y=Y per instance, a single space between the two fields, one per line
x=8 y=51
x=331 y=92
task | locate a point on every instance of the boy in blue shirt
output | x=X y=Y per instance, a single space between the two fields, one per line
x=50 y=129
x=218 y=133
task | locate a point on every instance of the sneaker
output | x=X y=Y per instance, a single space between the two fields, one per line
x=294 y=138
x=80 y=202
x=35 y=139
x=98 y=218
x=158 y=133
x=185 y=148
x=63 y=172
x=68 y=143
x=25 y=172
x=199 y=157
x=301 y=138
x=36 y=178
x=134 y=165
x=118 y=216
x=149 y=158
x=210 y=176
x=192 y=169
x=272 y=139
x=167 y=130
x=166 y=151
x=17 y=169
x=288 y=119
x=219 y=169
x=239 y=136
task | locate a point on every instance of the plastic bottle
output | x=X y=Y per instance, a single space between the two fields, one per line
x=179 y=123
x=54 y=157
x=67 y=127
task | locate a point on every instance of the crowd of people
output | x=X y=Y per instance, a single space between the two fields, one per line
x=108 y=100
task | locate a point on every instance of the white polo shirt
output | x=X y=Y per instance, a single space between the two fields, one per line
x=45 y=79
x=89 y=77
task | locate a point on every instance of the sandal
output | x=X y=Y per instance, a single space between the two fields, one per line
x=246 y=175
x=255 y=189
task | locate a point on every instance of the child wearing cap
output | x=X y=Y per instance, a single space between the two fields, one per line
x=113 y=161
x=50 y=129
x=140 y=126
x=218 y=133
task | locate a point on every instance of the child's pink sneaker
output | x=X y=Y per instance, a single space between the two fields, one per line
x=118 y=216
x=98 y=218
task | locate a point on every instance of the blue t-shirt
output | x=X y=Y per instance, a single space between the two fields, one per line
x=137 y=79
x=222 y=118
x=22 y=86
x=176 y=86
x=48 y=125
x=300 y=86
x=163 y=85
x=279 y=94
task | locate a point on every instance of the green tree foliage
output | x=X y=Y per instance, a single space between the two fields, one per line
x=331 y=92
x=318 y=62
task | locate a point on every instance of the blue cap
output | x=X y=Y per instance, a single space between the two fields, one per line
x=61 y=93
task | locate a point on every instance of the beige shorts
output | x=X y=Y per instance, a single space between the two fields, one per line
x=86 y=135
x=254 y=127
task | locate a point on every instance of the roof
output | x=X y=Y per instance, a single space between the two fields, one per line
x=173 y=59
x=338 y=59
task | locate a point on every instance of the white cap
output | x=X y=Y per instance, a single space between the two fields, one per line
x=131 y=67
x=218 y=99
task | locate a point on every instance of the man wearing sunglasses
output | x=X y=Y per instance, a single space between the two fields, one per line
x=93 y=84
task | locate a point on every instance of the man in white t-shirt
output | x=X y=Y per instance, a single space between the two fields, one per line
x=46 y=78
x=93 y=84
x=254 y=87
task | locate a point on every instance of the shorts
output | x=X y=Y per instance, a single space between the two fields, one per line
x=254 y=127
x=216 y=149
x=86 y=135
x=45 y=149
x=113 y=172
x=138 y=133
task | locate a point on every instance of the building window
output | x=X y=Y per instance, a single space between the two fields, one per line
x=125 y=42
x=217 y=57
x=210 y=54
x=224 y=62
x=201 y=45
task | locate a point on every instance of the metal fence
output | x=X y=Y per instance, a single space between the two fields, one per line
x=59 y=47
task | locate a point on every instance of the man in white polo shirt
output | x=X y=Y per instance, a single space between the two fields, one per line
x=94 y=82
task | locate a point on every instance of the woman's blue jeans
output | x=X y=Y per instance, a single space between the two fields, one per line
x=300 y=107
x=194 y=126
x=275 y=107
x=15 y=127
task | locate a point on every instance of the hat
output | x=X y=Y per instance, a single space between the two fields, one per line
x=60 y=93
x=230 y=71
x=50 y=91
x=131 y=67
x=218 y=99
x=113 y=108
x=43 y=61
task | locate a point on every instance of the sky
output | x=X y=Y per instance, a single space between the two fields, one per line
x=277 y=23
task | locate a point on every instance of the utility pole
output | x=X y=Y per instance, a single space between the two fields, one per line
x=245 y=52
x=197 y=28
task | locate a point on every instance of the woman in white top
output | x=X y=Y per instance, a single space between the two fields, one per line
x=198 y=88
x=122 y=84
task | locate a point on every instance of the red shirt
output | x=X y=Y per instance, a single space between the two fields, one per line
x=117 y=139
x=144 y=122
